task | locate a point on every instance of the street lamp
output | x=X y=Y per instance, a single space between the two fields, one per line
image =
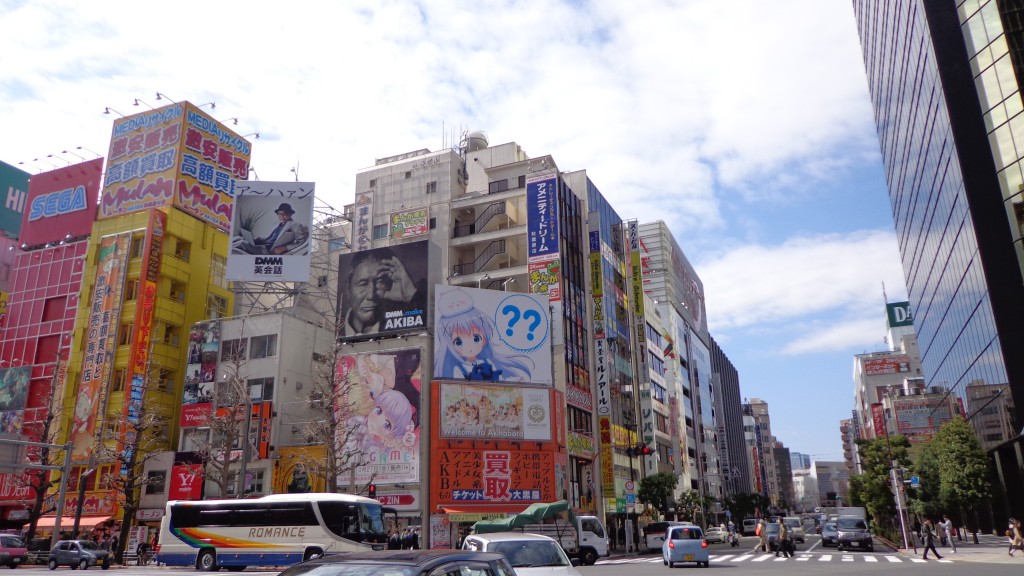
x=480 y=280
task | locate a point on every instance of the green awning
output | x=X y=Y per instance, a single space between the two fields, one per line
x=534 y=514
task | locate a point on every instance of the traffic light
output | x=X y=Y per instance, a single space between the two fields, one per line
x=371 y=491
x=645 y=450
x=631 y=452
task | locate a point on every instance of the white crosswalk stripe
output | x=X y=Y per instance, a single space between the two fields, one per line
x=800 y=557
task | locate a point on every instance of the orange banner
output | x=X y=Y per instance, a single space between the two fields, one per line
x=468 y=476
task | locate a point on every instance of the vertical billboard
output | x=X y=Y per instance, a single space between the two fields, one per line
x=14 y=384
x=380 y=400
x=491 y=335
x=100 y=344
x=201 y=372
x=362 y=228
x=174 y=155
x=544 y=261
x=493 y=412
x=138 y=355
x=62 y=203
x=410 y=223
x=14 y=192
x=270 y=238
x=383 y=290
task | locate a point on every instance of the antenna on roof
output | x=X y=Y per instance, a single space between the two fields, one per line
x=885 y=297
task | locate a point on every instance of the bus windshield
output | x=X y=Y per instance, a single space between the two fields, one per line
x=358 y=522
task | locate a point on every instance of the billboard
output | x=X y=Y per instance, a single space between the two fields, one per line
x=467 y=475
x=899 y=314
x=383 y=290
x=491 y=335
x=920 y=417
x=542 y=215
x=410 y=223
x=887 y=365
x=104 y=311
x=61 y=202
x=494 y=412
x=201 y=370
x=362 y=228
x=14 y=192
x=380 y=399
x=270 y=239
x=174 y=155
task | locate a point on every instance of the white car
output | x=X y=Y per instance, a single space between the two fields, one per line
x=529 y=554
x=714 y=535
x=685 y=544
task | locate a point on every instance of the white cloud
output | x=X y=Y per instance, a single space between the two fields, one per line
x=756 y=287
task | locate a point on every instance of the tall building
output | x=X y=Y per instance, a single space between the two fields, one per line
x=950 y=74
x=945 y=81
x=799 y=461
x=729 y=418
x=833 y=483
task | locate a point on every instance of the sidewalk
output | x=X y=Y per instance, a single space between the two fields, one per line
x=990 y=549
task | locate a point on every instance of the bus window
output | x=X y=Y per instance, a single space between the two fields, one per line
x=342 y=519
x=373 y=523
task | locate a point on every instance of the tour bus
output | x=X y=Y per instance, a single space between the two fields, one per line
x=273 y=530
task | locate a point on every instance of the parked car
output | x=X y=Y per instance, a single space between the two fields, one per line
x=78 y=554
x=854 y=533
x=403 y=563
x=13 y=552
x=796 y=529
x=749 y=526
x=529 y=554
x=829 y=534
x=714 y=535
x=685 y=544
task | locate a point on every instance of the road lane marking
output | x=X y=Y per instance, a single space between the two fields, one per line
x=847 y=558
x=761 y=558
x=870 y=559
x=825 y=558
x=742 y=558
x=721 y=558
x=893 y=559
x=803 y=559
x=918 y=560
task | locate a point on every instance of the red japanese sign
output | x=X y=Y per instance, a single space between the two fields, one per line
x=467 y=476
x=186 y=482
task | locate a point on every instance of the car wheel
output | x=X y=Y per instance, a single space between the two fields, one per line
x=663 y=561
x=52 y=564
x=207 y=561
x=671 y=564
x=589 y=557
x=83 y=564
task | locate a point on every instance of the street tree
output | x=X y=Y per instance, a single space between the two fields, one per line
x=963 y=468
x=692 y=503
x=144 y=438
x=926 y=500
x=43 y=425
x=657 y=489
x=746 y=505
x=872 y=488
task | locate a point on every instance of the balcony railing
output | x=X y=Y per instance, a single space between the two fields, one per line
x=492 y=250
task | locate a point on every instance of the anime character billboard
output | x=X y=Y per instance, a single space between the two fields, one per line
x=379 y=398
x=492 y=336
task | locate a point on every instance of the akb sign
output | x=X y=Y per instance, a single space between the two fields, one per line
x=57 y=203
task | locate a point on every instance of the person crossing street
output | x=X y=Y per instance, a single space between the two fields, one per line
x=928 y=533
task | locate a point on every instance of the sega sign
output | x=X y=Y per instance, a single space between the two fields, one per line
x=57 y=203
x=61 y=203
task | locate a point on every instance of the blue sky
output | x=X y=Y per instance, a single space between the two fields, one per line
x=745 y=125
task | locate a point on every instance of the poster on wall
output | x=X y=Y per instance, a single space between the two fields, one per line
x=493 y=476
x=410 y=223
x=383 y=290
x=381 y=402
x=201 y=370
x=495 y=412
x=270 y=232
x=491 y=336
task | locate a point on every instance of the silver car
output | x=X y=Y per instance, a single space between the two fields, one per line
x=829 y=534
x=78 y=554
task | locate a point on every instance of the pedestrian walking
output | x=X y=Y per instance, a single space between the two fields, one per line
x=928 y=533
x=947 y=525
x=917 y=530
x=762 y=537
x=785 y=541
x=1014 y=534
x=940 y=532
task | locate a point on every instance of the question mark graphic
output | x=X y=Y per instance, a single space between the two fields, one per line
x=533 y=325
x=514 y=311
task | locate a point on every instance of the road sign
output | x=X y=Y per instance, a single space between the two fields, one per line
x=629 y=485
x=915 y=481
x=630 y=499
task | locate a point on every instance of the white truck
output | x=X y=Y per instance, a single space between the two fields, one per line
x=582 y=537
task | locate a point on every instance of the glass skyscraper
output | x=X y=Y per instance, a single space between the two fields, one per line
x=948 y=109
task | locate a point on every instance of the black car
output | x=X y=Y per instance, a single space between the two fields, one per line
x=854 y=534
x=405 y=563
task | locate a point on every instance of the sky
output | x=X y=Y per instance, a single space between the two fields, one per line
x=745 y=125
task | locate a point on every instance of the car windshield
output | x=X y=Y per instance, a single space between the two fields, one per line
x=852 y=524
x=685 y=534
x=527 y=553
x=338 y=569
x=795 y=522
x=11 y=542
x=773 y=528
x=830 y=527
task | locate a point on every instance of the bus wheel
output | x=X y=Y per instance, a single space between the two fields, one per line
x=589 y=557
x=312 y=553
x=207 y=561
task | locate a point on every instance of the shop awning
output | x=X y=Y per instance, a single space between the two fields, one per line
x=69 y=521
x=479 y=512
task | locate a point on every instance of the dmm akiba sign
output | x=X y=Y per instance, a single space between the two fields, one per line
x=61 y=202
x=174 y=155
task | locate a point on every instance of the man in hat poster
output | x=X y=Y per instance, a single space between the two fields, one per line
x=287 y=236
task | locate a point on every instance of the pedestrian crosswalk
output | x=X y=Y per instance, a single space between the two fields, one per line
x=747 y=557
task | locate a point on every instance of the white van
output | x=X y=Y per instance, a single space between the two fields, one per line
x=654 y=533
